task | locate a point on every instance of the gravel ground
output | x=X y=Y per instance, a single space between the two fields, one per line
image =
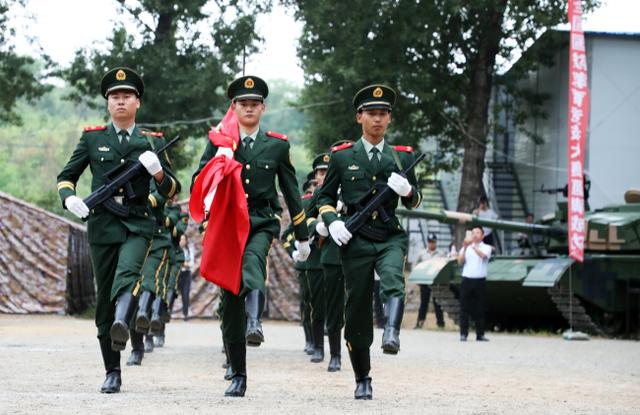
x=52 y=365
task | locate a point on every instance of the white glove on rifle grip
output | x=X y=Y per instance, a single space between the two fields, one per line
x=150 y=161
x=399 y=184
x=321 y=228
x=339 y=232
x=224 y=151
x=76 y=206
x=303 y=249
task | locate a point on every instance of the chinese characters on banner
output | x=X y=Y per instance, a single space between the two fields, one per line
x=578 y=117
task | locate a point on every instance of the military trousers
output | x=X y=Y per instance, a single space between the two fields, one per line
x=305 y=300
x=117 y=269
x=155 y=271
x=334 y=296
x=315 y=280
x=360 y=257
x=254 y=274
x=174 y=274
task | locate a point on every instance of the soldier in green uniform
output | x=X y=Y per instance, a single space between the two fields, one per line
x=288 y=238
x=356 y=169
x=264 y=155
x=119 y=245
x=154 y=271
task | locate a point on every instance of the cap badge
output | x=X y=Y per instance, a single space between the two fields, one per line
x=377 y=93
x=120 y=75
x=248 y=83
x=326 y=158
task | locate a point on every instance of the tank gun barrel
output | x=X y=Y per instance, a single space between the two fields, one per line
x=469 y=220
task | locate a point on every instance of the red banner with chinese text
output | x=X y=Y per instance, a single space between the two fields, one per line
x=578 y=118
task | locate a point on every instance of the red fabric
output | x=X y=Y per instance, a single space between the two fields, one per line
x=228 y=227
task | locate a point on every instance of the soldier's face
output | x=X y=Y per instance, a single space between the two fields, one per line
x=320 y=175
x=248 y=112
x=374 y=122
x=123 y=105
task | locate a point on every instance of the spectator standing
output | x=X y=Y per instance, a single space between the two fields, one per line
x=425 y=290
x=185 y=275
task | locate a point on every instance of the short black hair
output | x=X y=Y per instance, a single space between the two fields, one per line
x=478 y=227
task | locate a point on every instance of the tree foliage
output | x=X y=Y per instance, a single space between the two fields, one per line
x=185 y=55
x=441 y=56
x=20 y=76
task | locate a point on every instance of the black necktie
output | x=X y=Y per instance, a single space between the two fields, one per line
x=124 y=140
x=247 y=143
x=375 y=162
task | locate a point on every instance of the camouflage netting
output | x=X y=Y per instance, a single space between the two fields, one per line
x=33 y=258
x=44 y=267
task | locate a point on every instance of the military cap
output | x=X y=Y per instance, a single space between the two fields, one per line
x=121 y=78
x=311 y=175
x=248 y=87
x=306 y=185
x=374 y=97
x=432 y=237
x=321 y=161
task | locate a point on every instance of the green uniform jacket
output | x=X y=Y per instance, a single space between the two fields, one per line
x=99 y=148
x=350 y=169
x=268 y=158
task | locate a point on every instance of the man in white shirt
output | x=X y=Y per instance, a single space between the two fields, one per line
x=474 y=256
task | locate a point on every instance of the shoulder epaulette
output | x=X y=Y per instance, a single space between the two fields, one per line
x=154 y=133
x=307 y=196
x=96 y=128
x=341 y=147
x=406 y=149
x=277 y=135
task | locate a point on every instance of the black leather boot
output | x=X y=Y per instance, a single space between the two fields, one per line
x=318 y=342
x=394 y=308
x=156 y=325
x=228 y=374
x=144 y=307
x=334 y=348
x=238 y=359
x=166 y=312
x=119 y=332
x=148 y=343
x=361 y=367
x=137 y=349
x=308 y=338
x=111 y=361
x=254 y=304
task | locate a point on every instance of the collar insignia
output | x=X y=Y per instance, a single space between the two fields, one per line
x=353 y=167
x=103 y=148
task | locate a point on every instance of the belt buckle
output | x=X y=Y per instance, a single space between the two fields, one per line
x=119 y=199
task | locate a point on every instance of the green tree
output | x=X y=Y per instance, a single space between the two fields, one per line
x=184 y=75
x=441 y=56
x=20 y=76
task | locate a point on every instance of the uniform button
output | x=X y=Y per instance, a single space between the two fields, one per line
x=121 y=161
x=374 y=215
x=352 y=178
x=374 y=177
x=373 y=192
x=101 y=158
x=246 y=195
x=146 y=214
x=120 y=190
x=247 y=181
x=266 y=167
x=248 y=167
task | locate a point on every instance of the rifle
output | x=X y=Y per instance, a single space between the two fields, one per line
x=373 y=202
x=116 y=178
x=562 y=190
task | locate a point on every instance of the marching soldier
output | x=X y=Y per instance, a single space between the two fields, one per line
x=380 y=246
x=118 y=245
x=153 y=273
x=264 y=155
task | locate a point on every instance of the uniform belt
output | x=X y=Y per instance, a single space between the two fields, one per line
x=258 y=204
x=136 y=201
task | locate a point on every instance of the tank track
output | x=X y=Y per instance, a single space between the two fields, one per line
x=447 y=300
x=562 y=298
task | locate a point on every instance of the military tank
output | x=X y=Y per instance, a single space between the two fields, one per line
x=546 y=289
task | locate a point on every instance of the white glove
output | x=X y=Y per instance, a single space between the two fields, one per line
x=321 y=228
x=303 y=249
x=224 y=151
x=339 y=206
x=150 y=161
x=399 y=184
x=339 y=232
x=208 y=199
x=76 y=206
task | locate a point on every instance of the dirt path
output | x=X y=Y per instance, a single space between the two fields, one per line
x=51 y=365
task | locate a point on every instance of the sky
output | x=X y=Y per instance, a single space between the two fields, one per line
x=61 y=27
